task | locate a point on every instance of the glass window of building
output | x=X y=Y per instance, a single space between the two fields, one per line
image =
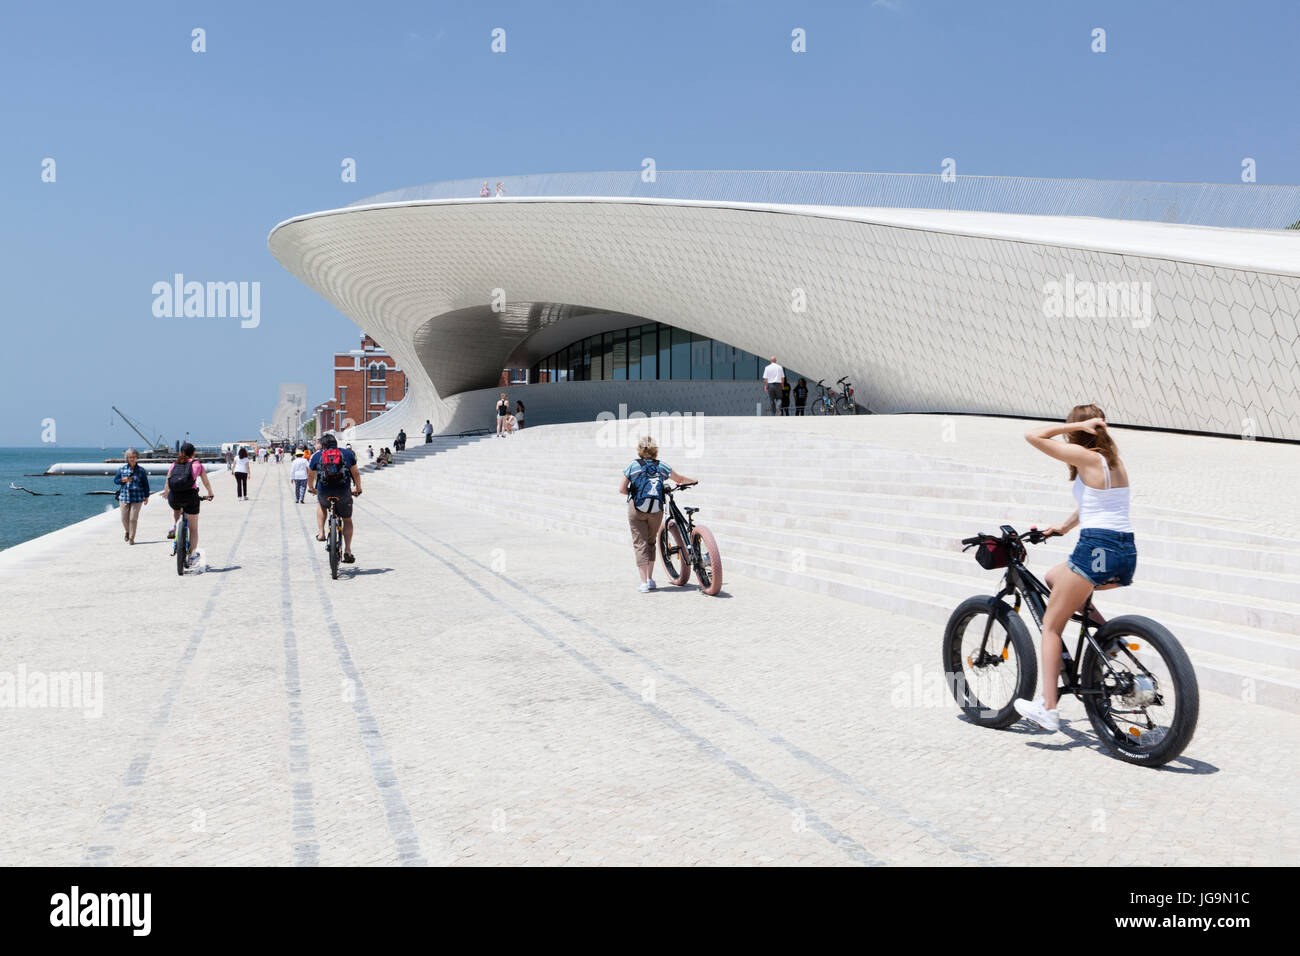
x=634 y=355
x=724 y=361
x=649 y=352
x=620 y=355
x=681 y=354
x=665 y=352
x=701 y=357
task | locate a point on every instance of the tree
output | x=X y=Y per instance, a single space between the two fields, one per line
x=309 y=428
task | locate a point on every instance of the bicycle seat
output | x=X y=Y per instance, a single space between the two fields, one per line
x=690 y=511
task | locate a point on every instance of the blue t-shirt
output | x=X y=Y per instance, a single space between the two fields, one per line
x=349 y=462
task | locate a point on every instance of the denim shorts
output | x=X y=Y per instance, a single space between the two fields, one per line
x=1104 y=557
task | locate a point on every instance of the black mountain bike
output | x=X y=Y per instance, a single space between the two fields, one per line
x=1131 y=674
x=333 y=537
x=684 y=546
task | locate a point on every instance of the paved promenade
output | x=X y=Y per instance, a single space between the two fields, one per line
x=473 y=693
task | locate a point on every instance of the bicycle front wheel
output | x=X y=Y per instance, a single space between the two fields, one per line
x=182 y=544
x=989 y=661
x=672 y=548
x=708 y=568
x=1145 y=705
x=819 y=407
x=333 y=545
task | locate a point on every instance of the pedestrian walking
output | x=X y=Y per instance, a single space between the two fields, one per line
x=519 y=415
x=132 y=492
x=800 y=396
x=785 y=397
x=643 y=484
x=484 y=191
x=773 y=377
x=298 y=478
x=428 y=431
x=241 y=469
x=370 y=452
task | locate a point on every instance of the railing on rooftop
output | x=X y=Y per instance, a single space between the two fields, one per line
x=1248 y=206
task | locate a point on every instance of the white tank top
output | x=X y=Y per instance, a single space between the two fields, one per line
x=1105 y=508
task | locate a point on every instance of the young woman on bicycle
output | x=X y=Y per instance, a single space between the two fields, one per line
x=187 y=500
x=1105 y=556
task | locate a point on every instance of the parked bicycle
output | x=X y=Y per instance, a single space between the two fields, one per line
x=824 y=403
x=831 y=402
x=1133 y=677
x=844 y=403
x=684 y=545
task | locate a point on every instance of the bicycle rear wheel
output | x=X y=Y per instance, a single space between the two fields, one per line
x=986 y=676
x=1146 y=711
x=709 y=568
x=333 y=544
x=672 y=548
x=182 y=544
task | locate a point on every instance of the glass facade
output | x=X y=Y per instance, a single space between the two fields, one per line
x=645 y=353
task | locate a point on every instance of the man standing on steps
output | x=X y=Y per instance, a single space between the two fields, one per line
x=773 y=378
x=428 y=431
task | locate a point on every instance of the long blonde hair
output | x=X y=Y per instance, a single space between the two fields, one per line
x=1100 y=442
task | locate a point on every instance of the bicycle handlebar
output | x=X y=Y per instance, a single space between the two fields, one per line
x=842 y=381
x=1033 y=536
x=679 y=487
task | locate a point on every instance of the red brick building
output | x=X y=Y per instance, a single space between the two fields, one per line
x=367 y=382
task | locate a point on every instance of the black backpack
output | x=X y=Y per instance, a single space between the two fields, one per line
x=180 y=481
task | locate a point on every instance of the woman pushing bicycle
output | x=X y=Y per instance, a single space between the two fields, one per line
x=1105 y=556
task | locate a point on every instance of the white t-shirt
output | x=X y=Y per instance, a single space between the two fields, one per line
x=299 y=471
x=773 y=374
x=241 y=466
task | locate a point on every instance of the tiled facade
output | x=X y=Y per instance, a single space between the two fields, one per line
x=924 y=311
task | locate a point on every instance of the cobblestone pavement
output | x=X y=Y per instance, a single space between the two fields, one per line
x=472 y=692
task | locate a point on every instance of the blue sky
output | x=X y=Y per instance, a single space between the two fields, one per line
x=171 y=161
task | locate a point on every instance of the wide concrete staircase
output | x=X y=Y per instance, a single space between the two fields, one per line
x=415 y=451
x=882 y=527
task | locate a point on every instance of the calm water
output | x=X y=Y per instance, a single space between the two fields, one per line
x=24 y=516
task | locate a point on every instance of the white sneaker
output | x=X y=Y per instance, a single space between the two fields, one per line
x=652 y=584
x=1035 y=711
x=645 y=587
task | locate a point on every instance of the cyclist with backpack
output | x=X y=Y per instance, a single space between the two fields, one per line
x=330 y=474
x=183 y=493
x=643 y=484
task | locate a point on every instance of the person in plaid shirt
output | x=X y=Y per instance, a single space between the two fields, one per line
x=132 y=493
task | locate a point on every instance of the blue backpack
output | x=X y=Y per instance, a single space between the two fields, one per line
x=646 y=487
